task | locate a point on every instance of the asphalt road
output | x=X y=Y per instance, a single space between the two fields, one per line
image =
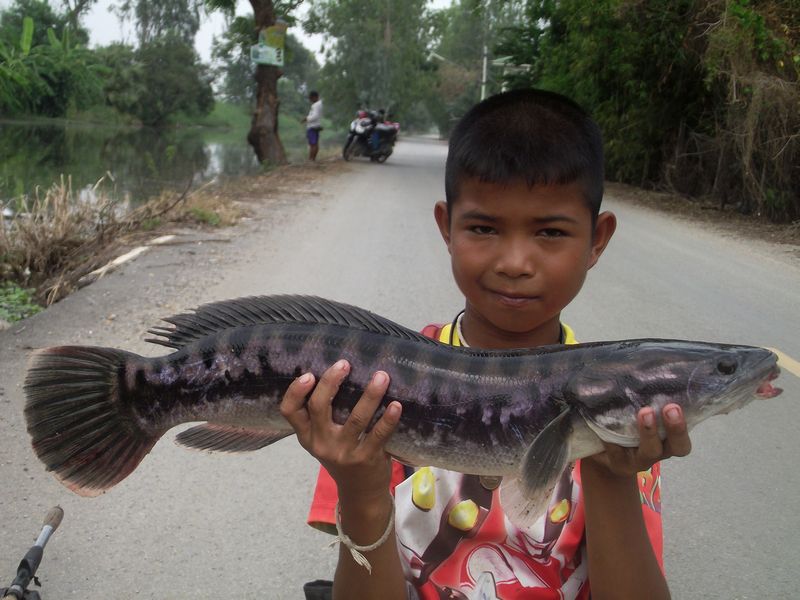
x=195 y=525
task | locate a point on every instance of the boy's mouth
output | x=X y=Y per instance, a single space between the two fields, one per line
x=512 y=299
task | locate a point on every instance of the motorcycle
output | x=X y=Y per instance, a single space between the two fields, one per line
x=370 y=135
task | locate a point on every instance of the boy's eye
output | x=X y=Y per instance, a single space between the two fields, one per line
x=551 y=232
x=482 y=229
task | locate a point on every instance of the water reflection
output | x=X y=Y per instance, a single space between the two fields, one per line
x=141 y=162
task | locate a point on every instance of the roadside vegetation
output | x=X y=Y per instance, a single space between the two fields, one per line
x=60 y=237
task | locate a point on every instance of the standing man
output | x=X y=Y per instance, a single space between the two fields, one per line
x=313 y=123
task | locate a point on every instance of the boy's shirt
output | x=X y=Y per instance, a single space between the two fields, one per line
x=455 y=541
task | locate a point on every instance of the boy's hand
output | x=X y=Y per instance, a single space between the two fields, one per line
x=626 y=462
x=356 y=460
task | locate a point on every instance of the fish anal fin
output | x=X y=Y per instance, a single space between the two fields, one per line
x=228 y=438
x=524 y=499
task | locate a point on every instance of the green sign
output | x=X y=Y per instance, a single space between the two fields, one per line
x=266 y=55
x=270 y=47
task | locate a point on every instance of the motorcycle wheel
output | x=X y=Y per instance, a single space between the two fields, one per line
x=381 y=158
x=347 y=151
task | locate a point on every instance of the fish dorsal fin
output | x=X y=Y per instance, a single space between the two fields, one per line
x=260 y=310
x=228 y=438
x=525 y=498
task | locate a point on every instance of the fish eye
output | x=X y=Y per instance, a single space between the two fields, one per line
x=726 y=366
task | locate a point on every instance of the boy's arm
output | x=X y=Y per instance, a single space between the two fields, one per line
x=621 y=559
x=361 y=469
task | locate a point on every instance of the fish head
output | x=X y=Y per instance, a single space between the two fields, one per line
x=704 y=379
x=728 y=377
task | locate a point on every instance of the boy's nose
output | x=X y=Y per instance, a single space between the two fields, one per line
x=516 y=260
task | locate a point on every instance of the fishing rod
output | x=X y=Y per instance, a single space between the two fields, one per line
x=18 y=590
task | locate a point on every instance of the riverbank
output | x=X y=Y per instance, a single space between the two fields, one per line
x=48 y=253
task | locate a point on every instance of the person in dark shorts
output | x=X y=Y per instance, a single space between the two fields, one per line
x=313 y=123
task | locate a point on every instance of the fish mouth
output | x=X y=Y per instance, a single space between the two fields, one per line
x=766 y=390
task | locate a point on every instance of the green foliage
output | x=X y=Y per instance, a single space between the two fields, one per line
x=377 y=55
x=49 y=72
x=123 y=82
x=698 y=96
x=231 y=51
x=43 y=16
x=46 y=70
x=69 y=76
x=209 y=217
x=16 y=303
x=457 y=62
x=173 y=81
x=162 y=18
x=27 y=36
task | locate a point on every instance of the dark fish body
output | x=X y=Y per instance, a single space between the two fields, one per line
x=94 y=413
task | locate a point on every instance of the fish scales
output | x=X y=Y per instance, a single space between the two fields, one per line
x=223 y=378
x=94 y=413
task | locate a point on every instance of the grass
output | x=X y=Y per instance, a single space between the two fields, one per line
x=16 y=303
x=208 y=217
x=55 y=238
x=233 y=124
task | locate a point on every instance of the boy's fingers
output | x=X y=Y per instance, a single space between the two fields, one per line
x=293 y=405
x=677 y=442
x=650 y=445
x=383 y=429
x=364 y=410
x=319 y=405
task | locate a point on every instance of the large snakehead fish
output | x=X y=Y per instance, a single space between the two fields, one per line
x=94 y=413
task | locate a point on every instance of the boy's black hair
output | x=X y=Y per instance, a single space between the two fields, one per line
x=313 y=94
x=531 y=135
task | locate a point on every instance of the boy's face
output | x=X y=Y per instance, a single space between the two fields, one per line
x=519 y=256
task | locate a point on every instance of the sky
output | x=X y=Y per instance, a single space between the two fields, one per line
x=104 y=26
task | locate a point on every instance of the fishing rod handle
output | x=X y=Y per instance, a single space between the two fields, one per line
x=53 y=517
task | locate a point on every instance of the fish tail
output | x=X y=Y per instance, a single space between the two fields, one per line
x=80 y=427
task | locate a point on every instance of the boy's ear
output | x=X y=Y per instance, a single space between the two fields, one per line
x=604 y=228
x=442 y=216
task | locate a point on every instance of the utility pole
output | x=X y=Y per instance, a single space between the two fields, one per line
x=485 y=70
x=487 y=25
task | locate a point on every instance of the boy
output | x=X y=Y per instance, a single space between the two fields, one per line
x=522 y=224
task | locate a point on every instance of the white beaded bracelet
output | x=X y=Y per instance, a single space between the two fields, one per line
x=357 y=551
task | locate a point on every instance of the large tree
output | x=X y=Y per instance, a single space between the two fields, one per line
x=263 y=136
x=234 y=70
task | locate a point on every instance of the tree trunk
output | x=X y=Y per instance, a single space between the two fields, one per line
x=263 y=136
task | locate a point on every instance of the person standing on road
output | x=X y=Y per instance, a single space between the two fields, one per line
x=313 y=123
x=523 y=226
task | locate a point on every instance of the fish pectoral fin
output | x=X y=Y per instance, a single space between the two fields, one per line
x=525 y=498
x=228 y=438
x=610 y=436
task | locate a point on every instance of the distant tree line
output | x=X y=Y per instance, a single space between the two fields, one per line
x=46 y=69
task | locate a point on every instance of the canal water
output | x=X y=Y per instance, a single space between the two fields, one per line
x=133 y=163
